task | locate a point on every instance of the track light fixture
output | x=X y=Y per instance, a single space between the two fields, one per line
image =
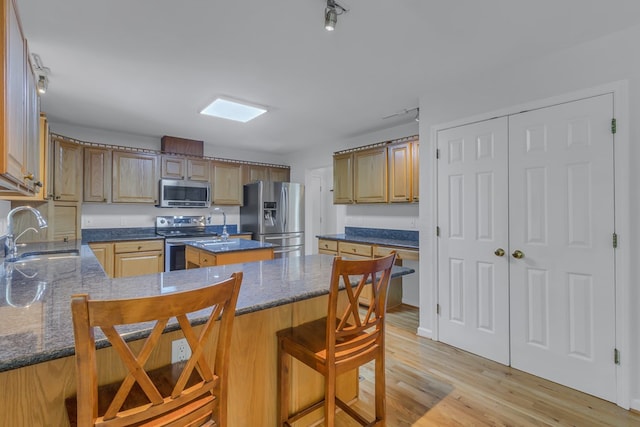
x=331 y=13
x=42 y=73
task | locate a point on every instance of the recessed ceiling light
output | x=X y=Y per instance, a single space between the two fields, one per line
x=232 y=110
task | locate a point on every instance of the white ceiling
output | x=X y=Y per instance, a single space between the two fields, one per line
x=149 y=66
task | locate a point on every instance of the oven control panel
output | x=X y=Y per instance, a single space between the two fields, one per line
x=176 y=222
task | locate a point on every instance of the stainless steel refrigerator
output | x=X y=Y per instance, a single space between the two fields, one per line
x=274 y=213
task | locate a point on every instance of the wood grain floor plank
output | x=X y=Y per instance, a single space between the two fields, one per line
x=433 y=384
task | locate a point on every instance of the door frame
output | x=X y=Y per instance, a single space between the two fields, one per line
x=429 y=207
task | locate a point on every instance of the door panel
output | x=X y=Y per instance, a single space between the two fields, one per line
x=472 y=214
x=562 y=219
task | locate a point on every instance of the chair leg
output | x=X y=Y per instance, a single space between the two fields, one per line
x=284 y=366
x=330 y=398
x=381 y=398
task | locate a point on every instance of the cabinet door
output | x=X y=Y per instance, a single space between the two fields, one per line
x=135 y=178
x=198 y=169
x=97 y=173
x=65 y=221
x=343 y=178
x=400 y=179
x=14 y=119
x=227 y=184
x=174 y=167
x=253 y=173
x=67 y=179
x=415 y=172
x=104 y=254
x=138 y=263
x=279 y=174
x=370 y=175
x=32 y=143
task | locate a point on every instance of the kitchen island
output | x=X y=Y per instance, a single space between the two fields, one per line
x=212 y=252
x=36 y=356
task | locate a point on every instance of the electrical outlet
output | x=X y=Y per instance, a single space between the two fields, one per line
x=180 y=350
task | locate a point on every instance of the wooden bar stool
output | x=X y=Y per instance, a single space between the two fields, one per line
x=344 y=343
x=190 y=393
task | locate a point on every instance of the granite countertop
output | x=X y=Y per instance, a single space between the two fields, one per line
x=375 y=236
x=218 y=246
x=35 y=295
x=97 y=235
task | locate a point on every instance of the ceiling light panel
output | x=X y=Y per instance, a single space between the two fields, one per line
x=232 y=110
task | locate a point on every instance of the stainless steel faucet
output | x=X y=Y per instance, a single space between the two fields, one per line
x=10 y=249
x=224 y=235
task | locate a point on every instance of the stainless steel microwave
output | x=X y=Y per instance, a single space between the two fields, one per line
x=175 y=193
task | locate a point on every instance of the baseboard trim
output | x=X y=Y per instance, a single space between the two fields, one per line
x=424 y=332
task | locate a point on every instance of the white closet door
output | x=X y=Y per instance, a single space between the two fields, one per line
x=473 y=219
x=562 y=220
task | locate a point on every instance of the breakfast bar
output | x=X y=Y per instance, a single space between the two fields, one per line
x=37 y=367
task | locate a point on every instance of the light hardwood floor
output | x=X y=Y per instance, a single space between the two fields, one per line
x=433 y=384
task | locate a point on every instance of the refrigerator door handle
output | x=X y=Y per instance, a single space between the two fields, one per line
x=286 y=211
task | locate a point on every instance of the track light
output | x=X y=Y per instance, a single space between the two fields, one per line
x=331 y=13
x=42 y=84
x=42 y=73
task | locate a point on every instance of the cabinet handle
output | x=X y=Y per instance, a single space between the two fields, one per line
x=139 y=247
x=159 y=255
x=104 y=200
x=29 y=176
x=38 y=184
x=204 y=260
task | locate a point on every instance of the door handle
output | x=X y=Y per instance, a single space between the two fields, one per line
x=499 y=252
x=517 y=254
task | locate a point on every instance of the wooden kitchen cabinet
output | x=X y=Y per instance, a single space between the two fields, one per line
x=400 y=172
x=104 y=254
x=97 y=174
x=63 y=221
x=135 y=177
x=227 y=183
x=370 y=175
x=279 y=174
x=67 y=173
x=415 y=175
x=138 y=257
x=175 y=167
x=196 y=258
x=343 y=178
x=328 y=247
x=19 y=141
x=253 y=173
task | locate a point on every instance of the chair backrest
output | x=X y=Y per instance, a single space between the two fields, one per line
x=187 y=399
x=352 y=332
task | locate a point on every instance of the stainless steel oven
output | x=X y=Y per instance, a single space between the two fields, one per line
x=177 y=230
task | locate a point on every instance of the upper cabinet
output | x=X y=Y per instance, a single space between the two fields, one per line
x=370 y=175
x=67 y=172
x=97 y=174
x=135 y=177
x=381 y=173
x=253 y=173
x=343 y=178
x=227 y=183
x=19 y=141
x=176 y=167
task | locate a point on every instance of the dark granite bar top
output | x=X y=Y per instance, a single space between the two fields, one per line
x=218 y=246
x=35 y=295
x=405 y=239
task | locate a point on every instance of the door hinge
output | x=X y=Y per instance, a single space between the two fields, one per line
x=616 y=356
x=437 y=153
x=615 y=240
x=614 y=125
x=437 y=231
x=438 y=309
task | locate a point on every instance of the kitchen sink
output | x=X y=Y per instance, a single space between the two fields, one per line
x=48 y=255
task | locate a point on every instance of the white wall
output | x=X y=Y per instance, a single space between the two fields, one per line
x=611 y=58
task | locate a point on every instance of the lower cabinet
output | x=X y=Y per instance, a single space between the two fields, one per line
x=130 y=258
x=350 y=250
x=196 y=258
